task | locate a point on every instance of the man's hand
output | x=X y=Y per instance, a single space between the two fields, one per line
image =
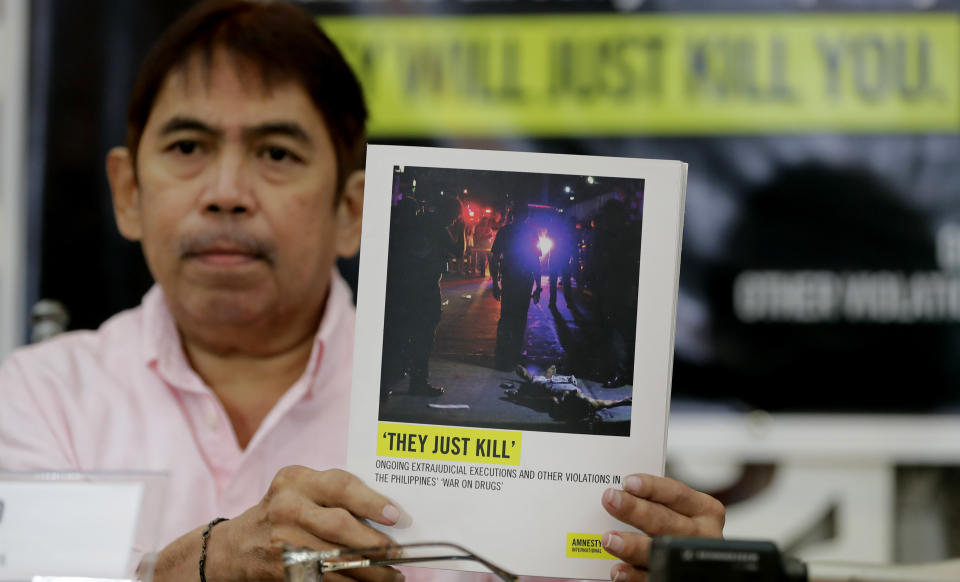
x=316 y=509
x=496 y=291
x=658 y=506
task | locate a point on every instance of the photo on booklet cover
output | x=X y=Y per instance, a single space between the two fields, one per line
x=511 y=300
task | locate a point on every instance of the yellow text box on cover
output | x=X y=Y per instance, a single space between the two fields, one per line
x=448 y=443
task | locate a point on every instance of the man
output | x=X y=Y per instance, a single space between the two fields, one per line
x=242 y=180
x=483 y=243
x=616 y=258
x=514 y=270
x=561 y=258
x=420 y=247
x=404 y=219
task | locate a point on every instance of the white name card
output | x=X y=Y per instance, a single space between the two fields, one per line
x=67 y=528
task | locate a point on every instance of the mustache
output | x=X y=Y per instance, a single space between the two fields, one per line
x=229 y=239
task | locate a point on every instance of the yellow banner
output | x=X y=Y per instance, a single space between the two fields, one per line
x=584 y=545
x=448 y=443
x=613 y=74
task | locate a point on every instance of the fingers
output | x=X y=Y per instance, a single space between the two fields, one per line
x=305 y=508
x=341 y=489
x=658 y=505
x=320 y=509
x=336 y=488
x=632 y=548
x=372 y=574
x=338 y=526
x=671 y=493
x=295 y=535
x=627 y=573
x=326 y=505
x=652 y=518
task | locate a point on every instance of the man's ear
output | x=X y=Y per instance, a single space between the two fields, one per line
x=349 y=215
x=123 y=187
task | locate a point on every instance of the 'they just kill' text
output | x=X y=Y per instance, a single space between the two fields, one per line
x=448 y=445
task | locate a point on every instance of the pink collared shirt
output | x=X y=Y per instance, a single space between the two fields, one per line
x=124 y=398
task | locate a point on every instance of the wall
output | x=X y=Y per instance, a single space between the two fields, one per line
x=13 y=83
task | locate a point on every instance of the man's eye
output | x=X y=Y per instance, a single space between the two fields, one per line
x=185 y=147
x=279 y=154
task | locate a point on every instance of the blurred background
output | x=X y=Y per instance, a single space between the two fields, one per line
x=816 y=384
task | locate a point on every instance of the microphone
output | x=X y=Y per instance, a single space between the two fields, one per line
x=682 y=559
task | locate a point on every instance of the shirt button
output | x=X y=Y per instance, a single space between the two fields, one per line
x=212 y=421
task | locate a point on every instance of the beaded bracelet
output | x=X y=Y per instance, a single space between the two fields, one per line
x=203 y=546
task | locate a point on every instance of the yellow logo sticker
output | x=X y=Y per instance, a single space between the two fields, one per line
x=585 y=545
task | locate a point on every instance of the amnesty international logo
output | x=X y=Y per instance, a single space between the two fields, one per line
x=586 y=545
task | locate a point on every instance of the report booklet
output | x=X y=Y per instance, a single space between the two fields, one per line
x=514 y=346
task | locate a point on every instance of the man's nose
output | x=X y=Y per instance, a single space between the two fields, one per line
x=231 y=189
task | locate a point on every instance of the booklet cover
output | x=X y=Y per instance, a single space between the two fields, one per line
x=514 y=346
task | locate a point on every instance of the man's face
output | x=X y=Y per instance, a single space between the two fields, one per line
x=235 y=197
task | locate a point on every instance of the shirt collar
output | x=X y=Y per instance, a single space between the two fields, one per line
x=163 y=350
